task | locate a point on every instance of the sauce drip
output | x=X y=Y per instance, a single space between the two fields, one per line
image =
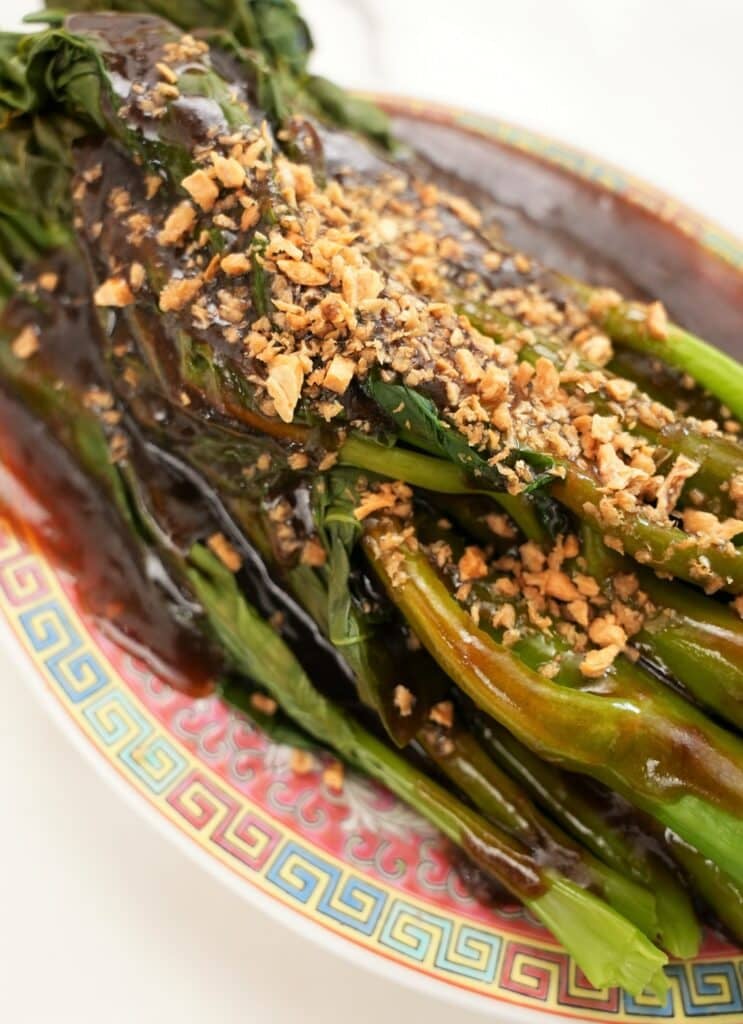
x=77 y=528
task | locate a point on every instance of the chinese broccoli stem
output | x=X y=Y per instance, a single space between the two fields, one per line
x=464 y=761
x=628 y=851
x=697 y=640
x=696 y=786
x=665 y=548
x=626 y=324
x=628 y=848
x=610 y=950
x=718 y=889
x=438 y=475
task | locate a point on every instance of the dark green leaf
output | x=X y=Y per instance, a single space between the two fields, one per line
x=420 y=425
x=273 y=42
x=375 y=651
x=345 y=110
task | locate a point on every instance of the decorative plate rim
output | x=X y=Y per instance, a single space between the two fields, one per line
x=375 y=962
x=709 y=236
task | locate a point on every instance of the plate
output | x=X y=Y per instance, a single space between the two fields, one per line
x=358 y=871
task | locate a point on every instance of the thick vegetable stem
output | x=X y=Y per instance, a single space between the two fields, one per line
x=665 y=548
x=611 y=738
x=695 y=639
x=626 y=324
x=627 y=850
x=438 y=475
x=610 y=950
x=458 y=754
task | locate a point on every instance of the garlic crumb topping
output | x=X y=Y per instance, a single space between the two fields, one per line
x=26 y=343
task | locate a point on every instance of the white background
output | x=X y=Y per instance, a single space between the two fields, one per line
x=101 y=919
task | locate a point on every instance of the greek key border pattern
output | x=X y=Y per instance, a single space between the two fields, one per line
x=267 y=854
x=277 y=861
x=270 y=856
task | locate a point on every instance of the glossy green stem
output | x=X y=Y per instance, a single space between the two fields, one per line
x=698 y=641
x=693 y=638
x=435 y=474
x=665 y=384
x=465 y=762
x=625 y=850
x=718 y=372
x=718 y=889
x=696 y=782
x=665 y=548
x=609 y=949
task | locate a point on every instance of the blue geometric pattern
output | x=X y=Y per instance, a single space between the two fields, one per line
x=709 y=987
x=321 y=889
x=464 y=950
x=118 y=723
x=345 y=898
x=52 y=634
x=637 y=1007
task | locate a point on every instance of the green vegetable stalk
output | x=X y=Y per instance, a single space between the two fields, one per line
x=464 y=761
x=665 y=548
x=609 y=949
x=718 y=889
x=627 y=850
x=436 y=474
x=696 y=783
x=626 y=324
x=695 y=639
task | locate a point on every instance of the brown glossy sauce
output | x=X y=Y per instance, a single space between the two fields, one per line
x=584 y=229
x=77 y=528
x=559 y=218
x=132 y=45
x=128 y=588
